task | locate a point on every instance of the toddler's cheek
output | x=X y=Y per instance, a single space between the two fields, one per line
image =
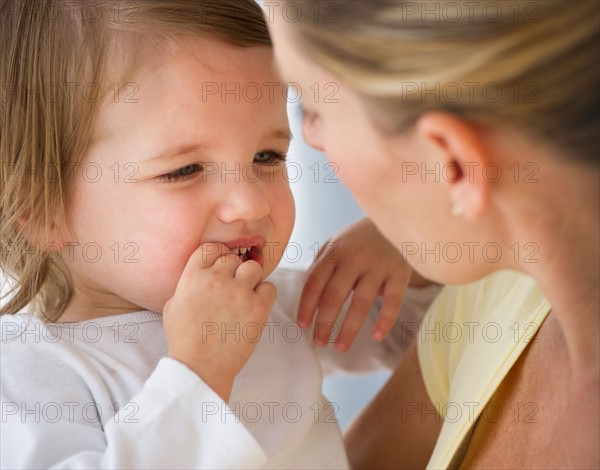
x=158 y=287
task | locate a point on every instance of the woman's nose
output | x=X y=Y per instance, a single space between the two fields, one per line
x=311 y=131
x=243 y=199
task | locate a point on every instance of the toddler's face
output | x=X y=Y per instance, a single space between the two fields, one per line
x=188 y=154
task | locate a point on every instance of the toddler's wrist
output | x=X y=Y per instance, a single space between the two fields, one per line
x=217 y=378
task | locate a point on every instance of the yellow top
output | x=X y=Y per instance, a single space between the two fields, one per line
x=470 y=338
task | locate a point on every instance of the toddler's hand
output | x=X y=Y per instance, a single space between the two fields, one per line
x=216 y=296
x=358 y=259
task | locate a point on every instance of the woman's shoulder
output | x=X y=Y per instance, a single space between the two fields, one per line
x=473 y=335
x=478 y=301
x=498 y=311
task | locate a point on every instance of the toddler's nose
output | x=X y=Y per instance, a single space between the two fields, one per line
x=243 y=200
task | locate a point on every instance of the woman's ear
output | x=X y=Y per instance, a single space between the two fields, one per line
x=463 y=149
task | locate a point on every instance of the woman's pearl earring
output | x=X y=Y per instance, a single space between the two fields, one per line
x=457 y=210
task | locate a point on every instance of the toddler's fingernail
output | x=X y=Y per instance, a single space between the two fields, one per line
x=302 y=324
x=340 y=347
x=378 y=335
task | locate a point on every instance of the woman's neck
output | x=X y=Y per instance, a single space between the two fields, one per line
x=573 y=293
x=568 y=273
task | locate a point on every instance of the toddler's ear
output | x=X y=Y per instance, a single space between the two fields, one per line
x=463 y=149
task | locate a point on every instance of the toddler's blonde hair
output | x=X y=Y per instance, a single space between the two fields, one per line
x=53 y=56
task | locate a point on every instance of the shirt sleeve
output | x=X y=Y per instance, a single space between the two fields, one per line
x=175 y=421
x=365 y=355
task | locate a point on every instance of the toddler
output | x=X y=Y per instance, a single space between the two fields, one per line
x=143 y=206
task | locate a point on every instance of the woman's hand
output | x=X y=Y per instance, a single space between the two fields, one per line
x=217 y=293
x=359 y=259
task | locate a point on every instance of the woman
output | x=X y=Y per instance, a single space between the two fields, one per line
x=468 y=131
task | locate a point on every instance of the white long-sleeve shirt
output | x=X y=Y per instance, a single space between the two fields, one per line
x=102 y=394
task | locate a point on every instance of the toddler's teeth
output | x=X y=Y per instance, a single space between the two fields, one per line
x=243 y=253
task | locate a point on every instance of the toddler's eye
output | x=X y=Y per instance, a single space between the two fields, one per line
x=183 y=173
x=269 y=157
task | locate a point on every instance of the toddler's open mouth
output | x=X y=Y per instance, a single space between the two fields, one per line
x=250 y=253
x=248 y=248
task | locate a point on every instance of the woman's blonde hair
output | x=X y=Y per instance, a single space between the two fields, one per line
x=54 y=57
x=531 y=64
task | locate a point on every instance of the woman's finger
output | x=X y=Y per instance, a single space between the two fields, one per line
x=393 y=296
x=316 y=281
x=363 y=299
x=334 y=295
